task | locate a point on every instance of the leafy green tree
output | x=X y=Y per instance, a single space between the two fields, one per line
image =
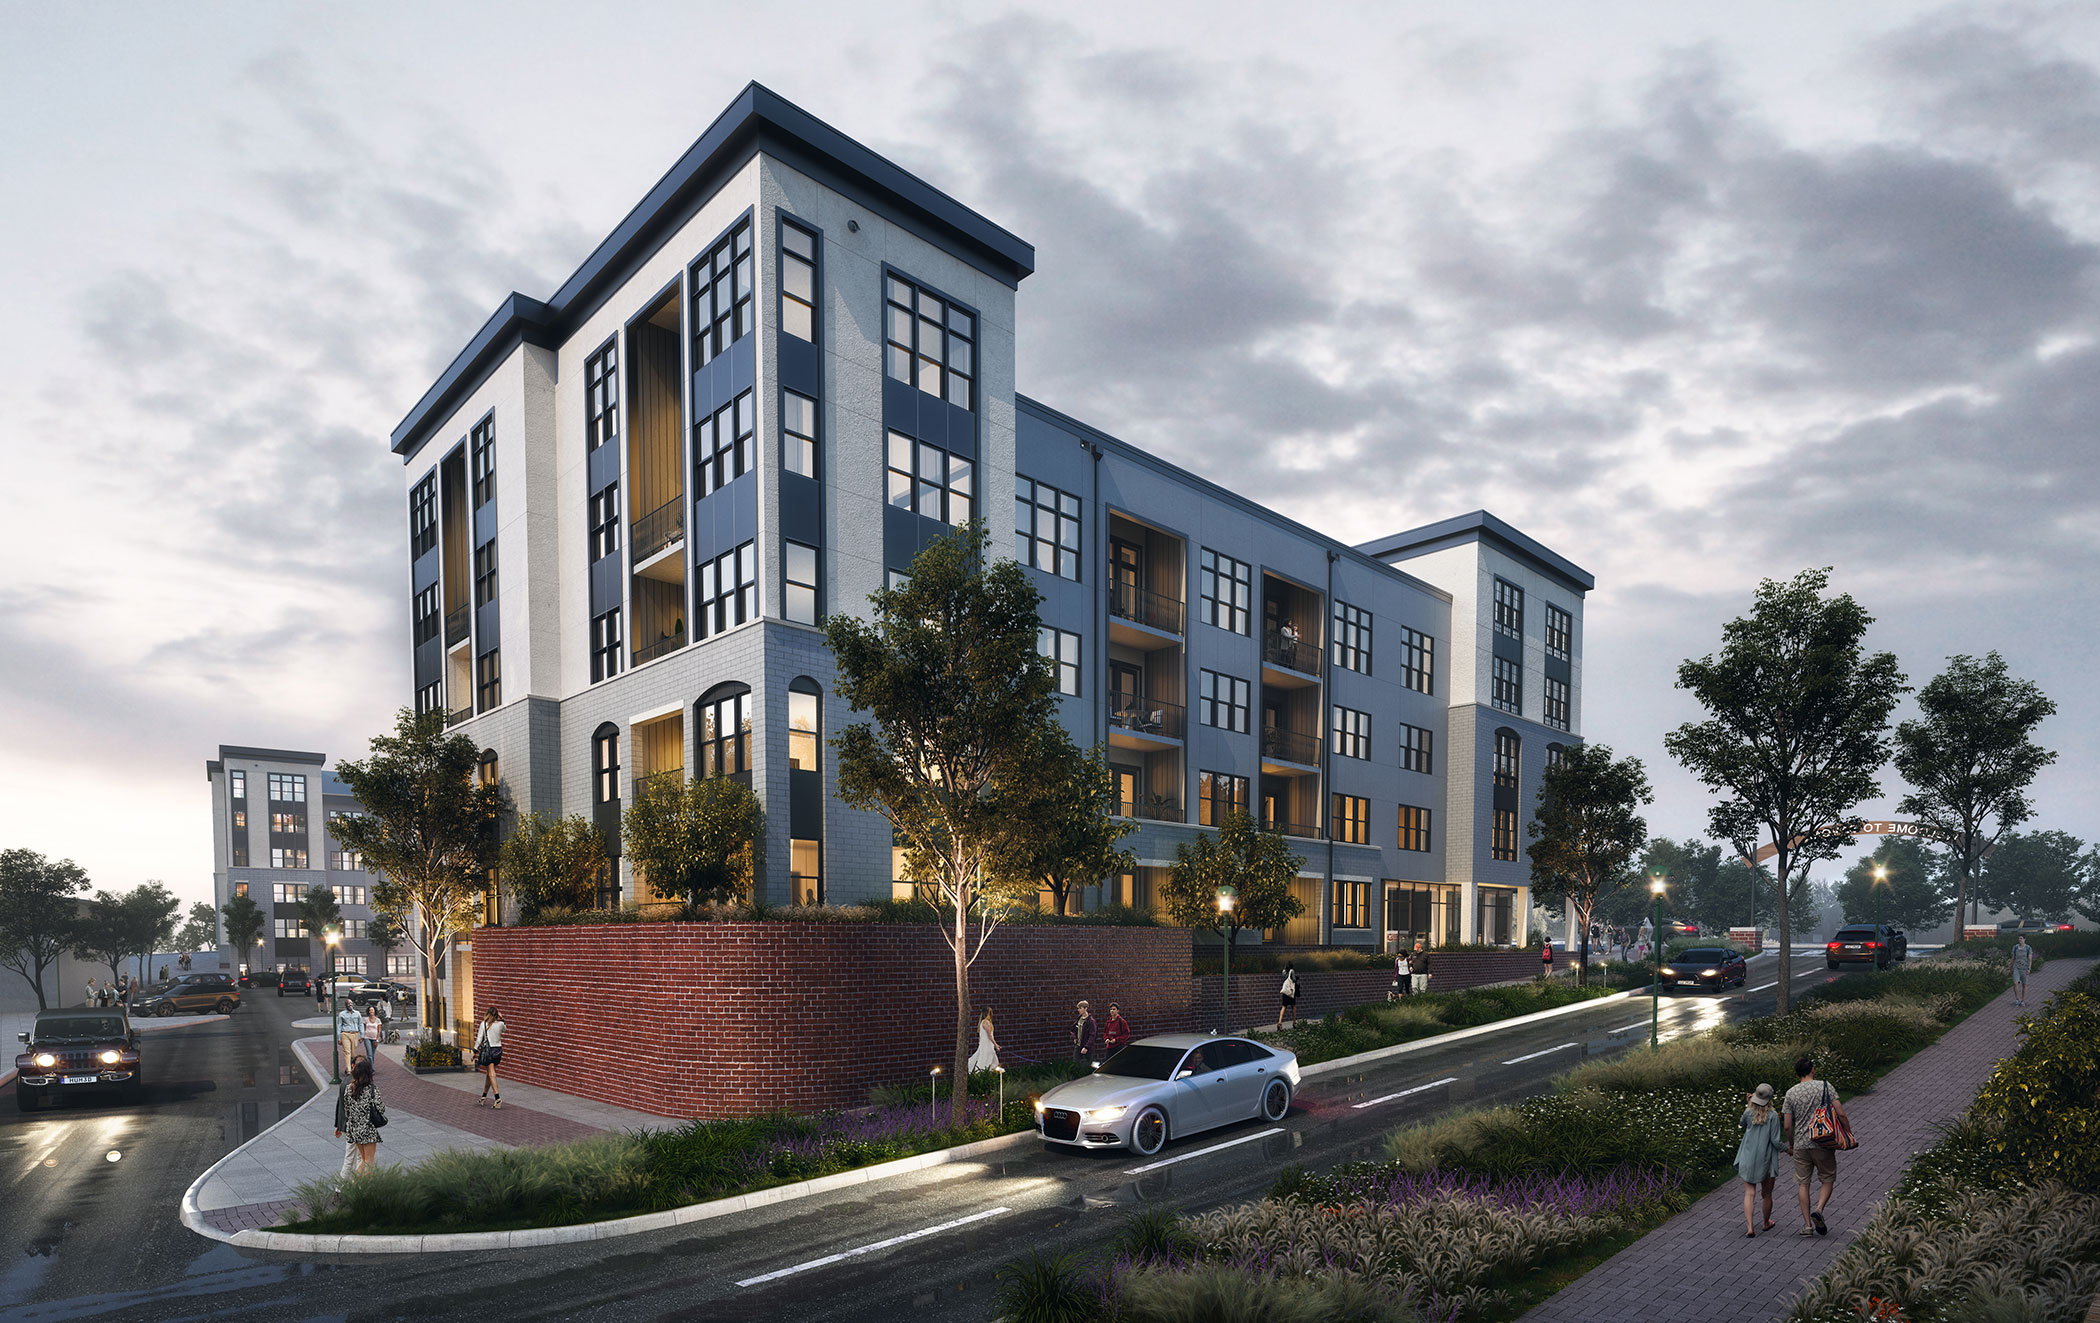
x=1061 y=824
x=39 y=913
x=200 y=930
x=1586 y=831
x=1915 y=894
x=2036 y=875
x=105 y=933
x=1796 y=729
x=959 y=696
x=1258 y=866
x=244 y=926
x=554 y=863
x=428 y=832
x=386 y=933
x=319 y=911
x=702 y=841
x=147 y=915
x=1970 y=756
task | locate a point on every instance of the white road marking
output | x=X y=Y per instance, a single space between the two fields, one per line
x=1761 y=987
x=1168 y=1162
x=1535 y=1055
x=878 y=1245
x=1624 y=1027
x=1404 y=1092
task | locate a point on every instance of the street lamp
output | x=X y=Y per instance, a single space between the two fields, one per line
x=1658 y=882
x=1881 y=879
x=1226 y=895
x=335 y=1051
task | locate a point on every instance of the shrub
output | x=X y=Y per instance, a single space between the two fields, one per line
x=2042 y=1104
x=1704 y=1063
x=604 y=1176
x=1209 y=958
x=1045 y=1288
x=433 y=1055
x=1155 y=1235
x=1220 y=1293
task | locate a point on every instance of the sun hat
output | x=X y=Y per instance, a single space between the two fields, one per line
x=1763 y=1094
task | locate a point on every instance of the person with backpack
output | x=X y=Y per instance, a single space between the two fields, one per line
x=1814 y=1120
x=1287 y=997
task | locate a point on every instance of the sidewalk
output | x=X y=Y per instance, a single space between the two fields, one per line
x=1699 y=1268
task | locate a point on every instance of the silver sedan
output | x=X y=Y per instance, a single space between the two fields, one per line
x=1171 y=1085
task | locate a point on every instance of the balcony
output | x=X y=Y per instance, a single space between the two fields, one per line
x=1142 y=606
x=1155 y=808
x=660 y=529
x=669 y=643
x=457 y=715
x=1310 y=831
x=1288 y=746
x=644 y=785
x=1288 y=662
x=1136 y=722
x=456 y=621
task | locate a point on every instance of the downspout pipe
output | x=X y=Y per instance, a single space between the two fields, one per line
x=1326 y=808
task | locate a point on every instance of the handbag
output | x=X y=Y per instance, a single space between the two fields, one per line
x=378 y=1116
x=1828 y=1128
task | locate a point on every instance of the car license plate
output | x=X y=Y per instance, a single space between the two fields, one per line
x=80 y=1079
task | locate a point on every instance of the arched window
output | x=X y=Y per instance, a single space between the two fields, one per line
x=805 y=736
x=605 y=764
x=1509 y=754
x=487 y=771
x=725 y=730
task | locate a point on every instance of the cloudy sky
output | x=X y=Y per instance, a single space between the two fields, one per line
x=1694 y=303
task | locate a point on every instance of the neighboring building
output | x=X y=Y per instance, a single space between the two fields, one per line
x=631 y=506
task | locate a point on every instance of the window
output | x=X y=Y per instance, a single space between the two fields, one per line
x=803 y=748
x=722 y=287
x=288 y=824
x=237 y=785
x=1560 y=634
x=482 y=447
x=930 y=481
x=729 y=590
x=722 y=444
x=237 y=792
x=352 y=964
x=605 y=765
x=1504 y=845
x=487 y=773
x=601 y=396
x=1508 y=685
x=605 y=645
x=1509 y=609
x=283 y=858
x=1228 y=591
x=430 y=697
x=1046 y=528
x=1496 y=921
x=488 y=680
x=1414 y=749
x=1508 y=759
x=1414 y=827
x=346 y=861
x=805 y=872
x=1352 y=637
x=605 y=522
x=1222 y=701
x=291 y=928
x=423 y=515
x=287 y=788
x=240 y=888
x=1556 y=703
x=929 y=342
x=1352 y=907
x=1061 y=646
x=1352 y=819
x=287 y=893
x=1556 y=754
x=1218 y=794
x=1417 y=661
x=725 y=734
x=1352 y=732
x=240 y=819
x=799 y=569
x=485 y=573
x=425 y=611
x=798 y=281
x=798 y=434
x=401 y=966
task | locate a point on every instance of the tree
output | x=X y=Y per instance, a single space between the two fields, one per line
x=428 y=832
x=949 y=671
x=244 y=925
x=1586 y=831
x=703 y=841
x=319 y=911
x=1970 y=759
x=1914 y=896
x=1796 y=730
x=1061 y=823
x=386 y=933
x=1256 y=864
x=134 y=925
x=554 y=863
x=104 y=933
x=1692 y=865
x=2036 y=875
x=38 y=913
x=200 y=931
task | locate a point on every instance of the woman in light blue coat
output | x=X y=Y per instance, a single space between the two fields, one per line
x=1757 y=1157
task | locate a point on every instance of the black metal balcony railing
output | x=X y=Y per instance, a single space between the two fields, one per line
x=1157 y=808
x=456 y=624
x=1289 y=746
x=1146 y=716
x=1283 y=828
x=1293 y=654
x=1145 y=607
x=659 y=528
x=457 y=715
x=666 y=643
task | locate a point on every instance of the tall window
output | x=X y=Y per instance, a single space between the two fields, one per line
x=1351 y=819
x=1509 y=609
x=798 y=564
x=1351 y=904
x=930 y=481
x=423 y=515
x=722 y=444
x=1046 y=528
x=287 y=824
x=1415 y=748
x=601 y=396
x=798 y=434
x=605 y=522
x=1417 y=661
x=1227 y=588
x=291 y=928
x=287 y=893
x=605 y=645
x=725 y=733
x=287 y=857
x=1352 y=732
x=237 y=792
x=1555 y=755
x=1508 y=759
x=1352 y=637
x=605 y=764
x=1414 y=827
x=1557 y=715
x=1508 y=685
x=425 y=610
x=1219 y=794
x=488 y=680
x=1222 y=701
x=722 y=287
x=1560 y=633
x=430 y=697
x=485 y=573
x=1504 y=845
x=287 y=788
x=237 y=785
x=930 y=342
x=729 y=590
x=1061 y=646
x=798 y=281
x=804 y=748
x=481 y=447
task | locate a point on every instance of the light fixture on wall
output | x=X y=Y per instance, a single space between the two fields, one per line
x=853 y=226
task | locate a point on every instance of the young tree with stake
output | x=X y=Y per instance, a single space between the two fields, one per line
x=1586 y=831
x=1256 y=864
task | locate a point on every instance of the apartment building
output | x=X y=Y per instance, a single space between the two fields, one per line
x=630 y=507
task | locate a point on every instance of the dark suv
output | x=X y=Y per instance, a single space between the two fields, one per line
x=1866 y=944
x=293 y=980
x=77 y=1051
x=210 y=993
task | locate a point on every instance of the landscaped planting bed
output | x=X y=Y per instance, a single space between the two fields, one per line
x=1364 y=1028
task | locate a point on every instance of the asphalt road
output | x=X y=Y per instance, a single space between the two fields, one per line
x=102 y=1241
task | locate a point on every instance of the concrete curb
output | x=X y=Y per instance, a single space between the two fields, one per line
x=192 y=1210
x=1456 y=1035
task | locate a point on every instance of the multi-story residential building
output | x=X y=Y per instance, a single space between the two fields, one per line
x=272 y=811
x=631 y=506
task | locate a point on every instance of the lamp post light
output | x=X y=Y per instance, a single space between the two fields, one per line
x=1226 y=895
x=1000 y=1071
x=1658 y=882
x=933 y=1085
x=332 y=936
x=1881 y=879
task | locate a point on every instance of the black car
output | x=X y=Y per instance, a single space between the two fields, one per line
x=259 y=978
x=384 y=990
x=83 y=1050
x=293 y=980
x=1867 y=944
x=1706 y=967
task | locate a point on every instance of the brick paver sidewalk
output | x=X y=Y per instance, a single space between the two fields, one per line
x=514 y=1125
x=1699 y=1267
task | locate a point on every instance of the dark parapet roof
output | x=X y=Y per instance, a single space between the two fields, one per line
x=1480 y=525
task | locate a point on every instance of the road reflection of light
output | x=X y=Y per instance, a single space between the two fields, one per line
x=114 y=1155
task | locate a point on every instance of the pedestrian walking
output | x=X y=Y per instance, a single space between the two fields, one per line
x=321 y=995
x=349 y=1026
x=1811 y=1158
x=368 y=1032
x=362 y=1115
x=1287 y=997
x=2022 y=963
x=1757 y=1157
x=94 y=993
x=1403 y=975
x=488 y=1054
x=183 y=963
x=1547 y=953
x=1083 y=1034
x=986 y=1056
x=1420 y=966
x=1115 y=1031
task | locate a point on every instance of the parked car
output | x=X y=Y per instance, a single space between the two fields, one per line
x=1165 y=1086
x=200 y=980
x=257 y=978
x=77 y=1051
x=1705 y=967
x=345 y=984
x=1865 y=943
x=189 y=999
x=1680 y=928
x=383 y=990
x=293 y=980
x=2028 y=927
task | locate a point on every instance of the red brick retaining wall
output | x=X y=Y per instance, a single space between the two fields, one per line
x=1254 y=996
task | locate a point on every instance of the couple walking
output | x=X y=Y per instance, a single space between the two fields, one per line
x=1811 y=1124
x=1111 y=1037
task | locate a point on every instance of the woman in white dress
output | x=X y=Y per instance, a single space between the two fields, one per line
x=987 y=1054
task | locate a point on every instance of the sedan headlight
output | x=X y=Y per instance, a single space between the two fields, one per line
x=111 y=1057
x=46 y=1059
x=1106 y=1113
x=1039 y=1105
x=1669 y=972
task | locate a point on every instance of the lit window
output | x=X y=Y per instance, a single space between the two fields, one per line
x=803 y=748
x=283 y=858
x=1217 y=795
x=1414 y=827
x=1351 y=905
x=798 y=281
x=1504 y=845
x=1352 y=819
x=605 y=765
